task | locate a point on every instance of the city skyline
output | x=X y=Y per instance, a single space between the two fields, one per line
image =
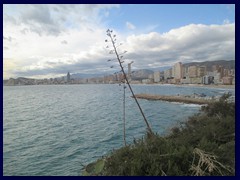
x=42 y=41
x=217 y=72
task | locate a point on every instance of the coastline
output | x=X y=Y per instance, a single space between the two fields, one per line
x=210 y=86
x=180 y=99
x=204 y=86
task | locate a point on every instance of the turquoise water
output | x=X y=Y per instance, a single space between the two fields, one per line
x=53 y=130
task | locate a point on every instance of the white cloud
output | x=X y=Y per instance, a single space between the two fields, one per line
x=53 y=19
x=9 y=38
x=226 y=21
x=71 y=38
x=44 y=37
x=130 y=25
x=33 y=52
x=151 y=28
x=189 y=43
x=85 y=52
x=64 y=42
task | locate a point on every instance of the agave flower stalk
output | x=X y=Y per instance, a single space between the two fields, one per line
x=119 y=57
x=124 y=110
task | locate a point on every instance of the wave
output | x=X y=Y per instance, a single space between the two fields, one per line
x=83 y=122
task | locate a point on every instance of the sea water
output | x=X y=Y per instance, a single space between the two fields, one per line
x=56 y=129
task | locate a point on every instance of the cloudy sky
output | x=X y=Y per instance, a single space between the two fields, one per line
x=43 y=41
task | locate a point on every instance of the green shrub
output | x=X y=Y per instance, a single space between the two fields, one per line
x=205 y=145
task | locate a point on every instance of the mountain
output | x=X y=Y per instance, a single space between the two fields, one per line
x=19 y=81
x=84 y=76
x=160 y=68
x=137 y=74
x=226 y=64
x=141 y=74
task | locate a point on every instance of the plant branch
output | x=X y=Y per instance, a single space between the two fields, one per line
x=127 y=81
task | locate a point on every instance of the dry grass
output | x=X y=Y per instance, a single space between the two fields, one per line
x=206 y=164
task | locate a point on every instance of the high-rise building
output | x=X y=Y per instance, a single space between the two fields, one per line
x=215 y=68
x=226 y=73
x=192 y=71
x=232 y=72
x=68 y=77
x=178 y=70
x=130 y=71
x=218 y=69
x=156 y=76
x=168 y=73
x=185 y=71
x=221 y=71
x=227 y=80
x=202 y=71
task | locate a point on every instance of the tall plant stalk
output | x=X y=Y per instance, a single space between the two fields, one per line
x=113 y=41
x=124 y=119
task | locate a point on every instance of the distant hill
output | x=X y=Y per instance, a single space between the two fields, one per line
x=83 y=76
x=141 y=74
x=136 y=75
x=226 y=64
x=19 y=81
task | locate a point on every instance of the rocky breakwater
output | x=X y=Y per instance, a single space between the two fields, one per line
x=177 y=98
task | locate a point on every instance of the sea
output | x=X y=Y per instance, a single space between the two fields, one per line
x=56 y=130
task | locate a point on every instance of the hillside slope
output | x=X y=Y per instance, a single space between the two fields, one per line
x=203 y=146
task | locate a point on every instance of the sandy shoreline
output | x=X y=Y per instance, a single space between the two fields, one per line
x=210 y=86
x=202 y=85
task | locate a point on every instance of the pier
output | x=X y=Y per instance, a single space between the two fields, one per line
x=180 y=98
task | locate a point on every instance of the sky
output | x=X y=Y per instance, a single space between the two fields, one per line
x=49 y=40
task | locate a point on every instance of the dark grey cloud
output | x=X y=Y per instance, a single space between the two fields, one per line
x=9 y=38
x=40 y=20
x=79 y=67
x=24 y=31
x=53 y=19
x=37 y=13
x=64 y=42
x=9 y=19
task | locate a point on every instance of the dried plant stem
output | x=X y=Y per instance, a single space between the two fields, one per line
x=207 y=163
x=124 y=120
x=127 y=81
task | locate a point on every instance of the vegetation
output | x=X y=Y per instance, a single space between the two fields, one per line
x=203 y=146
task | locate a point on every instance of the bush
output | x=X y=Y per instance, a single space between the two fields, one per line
x=205 y=145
